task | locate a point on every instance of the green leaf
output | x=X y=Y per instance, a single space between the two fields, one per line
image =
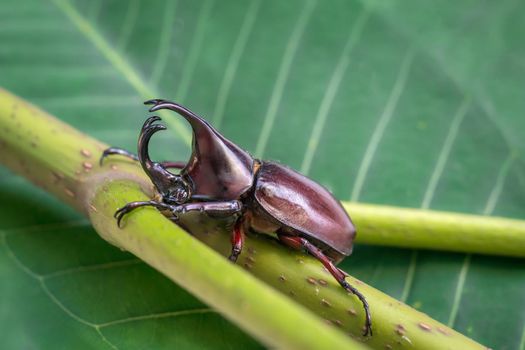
x=412 y=104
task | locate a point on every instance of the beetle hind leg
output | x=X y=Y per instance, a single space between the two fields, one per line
x=300 y=243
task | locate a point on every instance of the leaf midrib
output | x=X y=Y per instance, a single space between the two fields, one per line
x=120 y=64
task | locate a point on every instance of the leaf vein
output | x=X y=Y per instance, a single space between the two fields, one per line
x=409 y=279
x=233 y=62
x=119 y=62
x=489 y=209
x=129 y=22
x=331 y=91
x=164 y=42
x=41 y=279
x=445 y=153
x=194 y=52
x=459 y=290
x=382 y=124
x=95 y=267
x=282 y=76
x=157 y=316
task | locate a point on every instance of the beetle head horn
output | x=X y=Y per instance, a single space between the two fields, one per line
x=173 y=188
x=217 y=167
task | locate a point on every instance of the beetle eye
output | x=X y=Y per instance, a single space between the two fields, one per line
x=181 y=195
x=178 y=194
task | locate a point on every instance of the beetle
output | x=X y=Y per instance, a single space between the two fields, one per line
x=224 y=181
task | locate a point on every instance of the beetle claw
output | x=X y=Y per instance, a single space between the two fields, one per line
x=116 y=151
x=368 y=318
x=119 y=214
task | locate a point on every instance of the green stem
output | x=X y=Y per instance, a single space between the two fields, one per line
x=63 y=161
x=417 y=228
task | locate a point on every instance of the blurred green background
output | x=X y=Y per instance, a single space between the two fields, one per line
x=407 y=103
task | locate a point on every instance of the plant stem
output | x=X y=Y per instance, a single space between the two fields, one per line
x=417 y=228
x=64 y=162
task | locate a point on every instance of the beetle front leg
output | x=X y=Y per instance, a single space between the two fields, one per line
x=218 y=210
x=122 y=152
x=301 y=243
x=119 y=214
x=214 y=209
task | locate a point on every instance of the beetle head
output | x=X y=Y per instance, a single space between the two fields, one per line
x=173 y=188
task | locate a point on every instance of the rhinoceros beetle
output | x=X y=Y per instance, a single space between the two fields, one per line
x=222 y=180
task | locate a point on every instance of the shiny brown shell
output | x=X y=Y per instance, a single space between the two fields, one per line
x=305 y=206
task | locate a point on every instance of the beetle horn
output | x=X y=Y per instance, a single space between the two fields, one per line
x=217 y=167
x=160 y=177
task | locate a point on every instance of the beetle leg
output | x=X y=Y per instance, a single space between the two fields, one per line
x=237 y=240
x=119 y=214
x=173 y=165
x=120 y=151
x=214 y=209
x=301 y=243
x=115 y=150
x=218 y=209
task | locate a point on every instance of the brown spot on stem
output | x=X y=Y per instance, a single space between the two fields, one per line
x=300 y=261
x=407 y=339
x=311 y=280
x=292 y=293
x=282 y=278
x=92 y=207
x=352 y=312
x=338 y=323
x=87 y=166
x=424 y=326
x=443 y=331
x=322 y=282
x=326 y=303
x=86 y=153
x=69 y=192
x=400 y=331
x=113 y=167
x=57 y=176
x=388 y=347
